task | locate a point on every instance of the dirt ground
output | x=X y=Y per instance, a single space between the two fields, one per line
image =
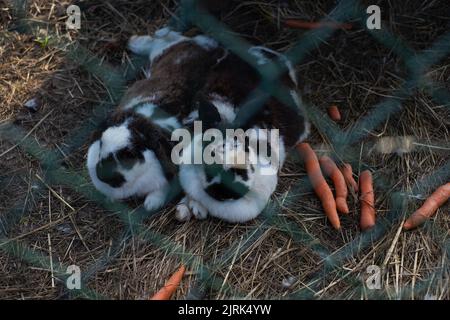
x=45 y=226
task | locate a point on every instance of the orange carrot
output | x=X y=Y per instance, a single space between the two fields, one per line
x=330 y=169
x=334 y=113
x=436 y=200
x=171 y=285
x=319 y=184
x=348 y=176
x=367 y=200
x=301 y=24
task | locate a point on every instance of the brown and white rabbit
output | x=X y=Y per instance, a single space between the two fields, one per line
x=248 y=187
x=130 y=154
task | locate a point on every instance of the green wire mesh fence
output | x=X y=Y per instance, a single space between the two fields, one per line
x=188 y=14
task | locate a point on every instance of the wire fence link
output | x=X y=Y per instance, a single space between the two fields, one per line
x=188 y=14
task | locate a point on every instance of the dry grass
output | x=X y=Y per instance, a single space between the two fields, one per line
x=349 y=69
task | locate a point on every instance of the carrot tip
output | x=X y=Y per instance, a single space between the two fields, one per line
x=334 y=113
x=319 y=183
x=336 y=226
x=408 y=225
x=336 y=223
x=429 y=207
x=342 y=206
x=367 y=226
x=166 y=292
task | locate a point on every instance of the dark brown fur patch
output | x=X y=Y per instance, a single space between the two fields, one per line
x=175 y=84
x=235 y=80
x=228 y=188
x=147 y=135
x=106 y=171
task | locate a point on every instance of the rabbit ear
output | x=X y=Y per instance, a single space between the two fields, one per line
x=147 y=135
x=207 y=113
x=112 y=119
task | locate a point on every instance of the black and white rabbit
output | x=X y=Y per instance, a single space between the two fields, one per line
x=248 y=187
x=130 y=155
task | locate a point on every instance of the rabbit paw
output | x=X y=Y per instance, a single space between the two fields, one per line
x=198 y=210
x=187 y=208
x=183 y=213
x=141 y=45
x=154 y=200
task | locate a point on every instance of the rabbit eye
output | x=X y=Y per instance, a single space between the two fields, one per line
x=107 y=172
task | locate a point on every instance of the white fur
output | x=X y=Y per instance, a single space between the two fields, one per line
x=169 y=123
x=298 y=103
x=277 y=147
x=224 y=107
x=232 y=154
x=305 y=133
x=141 y=180
x=162 y=40
x=136 y=100
x=257 y=51
x=141 y=45
x=187 y=208
x=239 y=179
x=146 y=110
x=182 y=212
x=282 y=152
x=241 y=210
x=193 y=181
x=114 y=139
x=155 y=199
x=146 y=178
x=296 y=98
x=155 y=46
x=198 y=210
x=261 y=58
x=191 y=117
x=214 y=180
x=206 y=42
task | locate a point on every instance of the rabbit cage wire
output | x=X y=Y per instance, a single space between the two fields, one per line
x=332 y=269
